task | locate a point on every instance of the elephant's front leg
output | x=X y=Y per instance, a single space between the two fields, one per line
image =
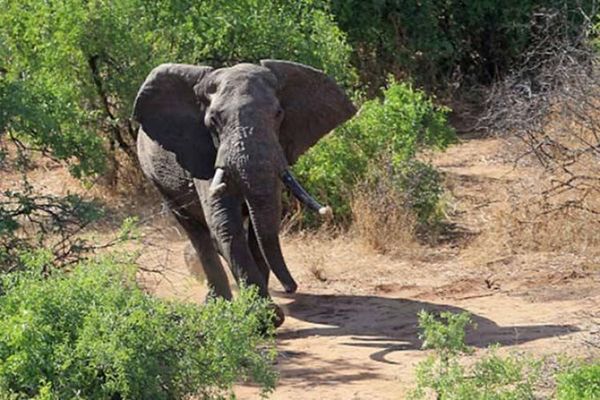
x=257 y=254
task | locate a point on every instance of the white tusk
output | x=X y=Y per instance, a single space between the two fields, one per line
x=302 y=195
x=326 y=211
x=217 y=185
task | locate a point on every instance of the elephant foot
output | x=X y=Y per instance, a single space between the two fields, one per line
x=291 y=288
x=279 y=316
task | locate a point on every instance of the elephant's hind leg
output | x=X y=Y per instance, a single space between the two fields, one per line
x=209 y=259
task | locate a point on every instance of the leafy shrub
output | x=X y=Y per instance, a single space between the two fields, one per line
x=580 y=383
x=422 y=187
x=70 y=69
x=382 y=140
x=445 y=334
x=442 y=374
x=94 y=334
x=32 y=110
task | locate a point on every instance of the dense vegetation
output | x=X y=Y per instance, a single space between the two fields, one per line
x=441 y=44
x=93 y=334
x=580 y=381
x=70 y=69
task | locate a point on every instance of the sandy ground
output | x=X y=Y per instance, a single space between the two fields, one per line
x=352 y=334
x=351 y=329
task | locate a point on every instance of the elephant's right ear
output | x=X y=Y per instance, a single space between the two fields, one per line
x=167 y=104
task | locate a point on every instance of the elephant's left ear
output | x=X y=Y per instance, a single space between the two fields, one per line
x=313 y=104
x=167 y=102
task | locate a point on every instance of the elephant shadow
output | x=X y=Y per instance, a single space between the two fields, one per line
x=391 y=324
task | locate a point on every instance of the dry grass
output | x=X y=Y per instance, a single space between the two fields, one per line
x=313 y=253
x=508 y=209
x=558 y=209
x=535 y=221
x=382 y=220
x=516 y=215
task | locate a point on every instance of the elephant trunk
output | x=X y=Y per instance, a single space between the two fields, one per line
x=256 y=166
x=263 y=199
x=265 y=214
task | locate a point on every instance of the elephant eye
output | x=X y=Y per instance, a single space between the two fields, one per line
x=279 y=113
x=212 y=88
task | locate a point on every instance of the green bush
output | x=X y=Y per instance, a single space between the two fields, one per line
x=386 y=135
x=595 y=34
x=69 y=70
x=579 y=383
x=445 y=333
x=35 y=112
x=491 y=378
x=421 y=186
x=438 y=42
x=93 y=334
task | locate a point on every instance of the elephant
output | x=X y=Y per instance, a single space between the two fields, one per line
x=217 y=143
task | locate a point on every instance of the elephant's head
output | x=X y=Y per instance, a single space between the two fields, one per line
x=261 y=118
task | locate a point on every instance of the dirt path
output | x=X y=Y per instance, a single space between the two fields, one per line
x=354 y=335
x=351 y=330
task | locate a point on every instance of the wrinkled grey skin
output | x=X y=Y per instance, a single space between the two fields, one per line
x=252 y=121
